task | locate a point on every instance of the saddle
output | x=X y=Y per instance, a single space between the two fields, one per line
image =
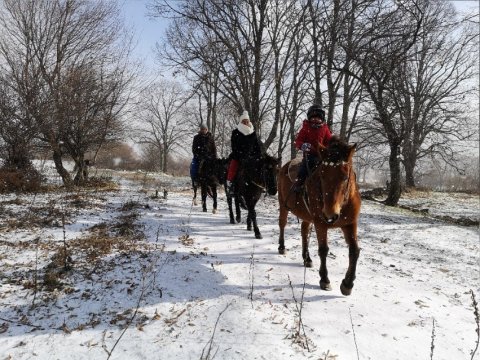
x=294 y=168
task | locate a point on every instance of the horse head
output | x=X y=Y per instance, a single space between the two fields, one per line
x=262 y=172
x=336 y=176
x=270 y=171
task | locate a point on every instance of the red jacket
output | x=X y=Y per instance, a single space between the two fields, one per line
x=309 y=134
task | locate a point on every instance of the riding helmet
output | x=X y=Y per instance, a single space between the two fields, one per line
x=316 y=110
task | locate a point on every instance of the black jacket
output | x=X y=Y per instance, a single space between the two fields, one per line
x=245 y=146
x=204 y=146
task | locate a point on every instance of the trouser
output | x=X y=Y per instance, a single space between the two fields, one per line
x=307 y=165
x=194 y=168
x=232 y=170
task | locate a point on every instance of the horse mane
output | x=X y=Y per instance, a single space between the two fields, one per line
x=337 y=150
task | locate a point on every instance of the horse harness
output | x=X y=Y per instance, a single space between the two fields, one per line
x=333 y=164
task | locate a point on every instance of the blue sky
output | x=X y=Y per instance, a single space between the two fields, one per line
x=147 y=31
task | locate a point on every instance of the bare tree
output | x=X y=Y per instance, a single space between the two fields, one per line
x=90 y=104
x=161 y=115
x=43 y=41
x=385 y=34
x=16 y=129
x=431 y=88
x=235 y=32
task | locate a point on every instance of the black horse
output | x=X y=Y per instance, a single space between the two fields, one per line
x=254 y=177
x=211 y=173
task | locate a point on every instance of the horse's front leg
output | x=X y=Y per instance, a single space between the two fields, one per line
x=305 y=229
x=350 y=233
x=321 y=231
x=214 y=193
x=204 y=198
x=194 y=194
x=282 y=222
x=252 y=215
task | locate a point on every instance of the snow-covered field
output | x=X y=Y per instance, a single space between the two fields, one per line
x=155 y=278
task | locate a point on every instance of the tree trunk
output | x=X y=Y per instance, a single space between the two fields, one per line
x=81 y=176
x=164 y=161
x=66 y=178
x=395 y=189
x=409 y=173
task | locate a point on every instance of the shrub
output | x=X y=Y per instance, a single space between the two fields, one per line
x=19 y=180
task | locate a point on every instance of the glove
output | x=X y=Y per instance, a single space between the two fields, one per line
x=306 y=147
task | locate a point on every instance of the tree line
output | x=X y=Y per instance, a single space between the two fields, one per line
x=397 y=77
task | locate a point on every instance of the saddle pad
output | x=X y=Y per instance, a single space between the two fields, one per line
x=294 y=167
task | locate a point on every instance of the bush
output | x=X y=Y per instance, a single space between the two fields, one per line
x=19 y=180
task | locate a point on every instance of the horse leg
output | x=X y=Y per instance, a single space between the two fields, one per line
x=230 y=210
x=214 y=193
x=307 y=261
x=282 y=222
x=238 y=212
x=252 y=215
x=194 y=195
x=323 y=252
x=204 y=198
x=350 y=233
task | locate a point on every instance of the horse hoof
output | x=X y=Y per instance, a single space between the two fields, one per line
x=308 y=263
x=345 y=290
x=204 y=210
x=325 y=286
x=238 y=218
x=214 y=211
x=195 y=202
x=282 y=251
x=258 y=236
x=232 y=221
x=249 y=228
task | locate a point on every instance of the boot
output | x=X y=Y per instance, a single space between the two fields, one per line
x=229 y=188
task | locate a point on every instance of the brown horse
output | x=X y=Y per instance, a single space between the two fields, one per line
x=331 y=200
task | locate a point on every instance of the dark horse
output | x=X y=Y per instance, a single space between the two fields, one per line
x=254 y=177
x=211 y=173
x=332 y=200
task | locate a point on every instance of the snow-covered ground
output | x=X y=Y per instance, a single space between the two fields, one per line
x=183 y=284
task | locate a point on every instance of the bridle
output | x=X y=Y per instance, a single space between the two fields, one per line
x=264 y=178
x=340 y=163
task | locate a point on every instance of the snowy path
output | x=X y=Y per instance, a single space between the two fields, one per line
x=208 y=289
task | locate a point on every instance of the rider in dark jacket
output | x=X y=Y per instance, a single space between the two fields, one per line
x=203 y=147
x=245 y=145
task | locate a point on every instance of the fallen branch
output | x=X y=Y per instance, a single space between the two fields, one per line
x=209 y=344
x=477 y=320
x=353 y=331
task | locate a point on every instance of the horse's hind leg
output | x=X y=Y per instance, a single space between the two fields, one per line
x=307 y=261
x=214 y=193
x=350 y=233
x=282 y=222
x=238 y=212
x=323 y=252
